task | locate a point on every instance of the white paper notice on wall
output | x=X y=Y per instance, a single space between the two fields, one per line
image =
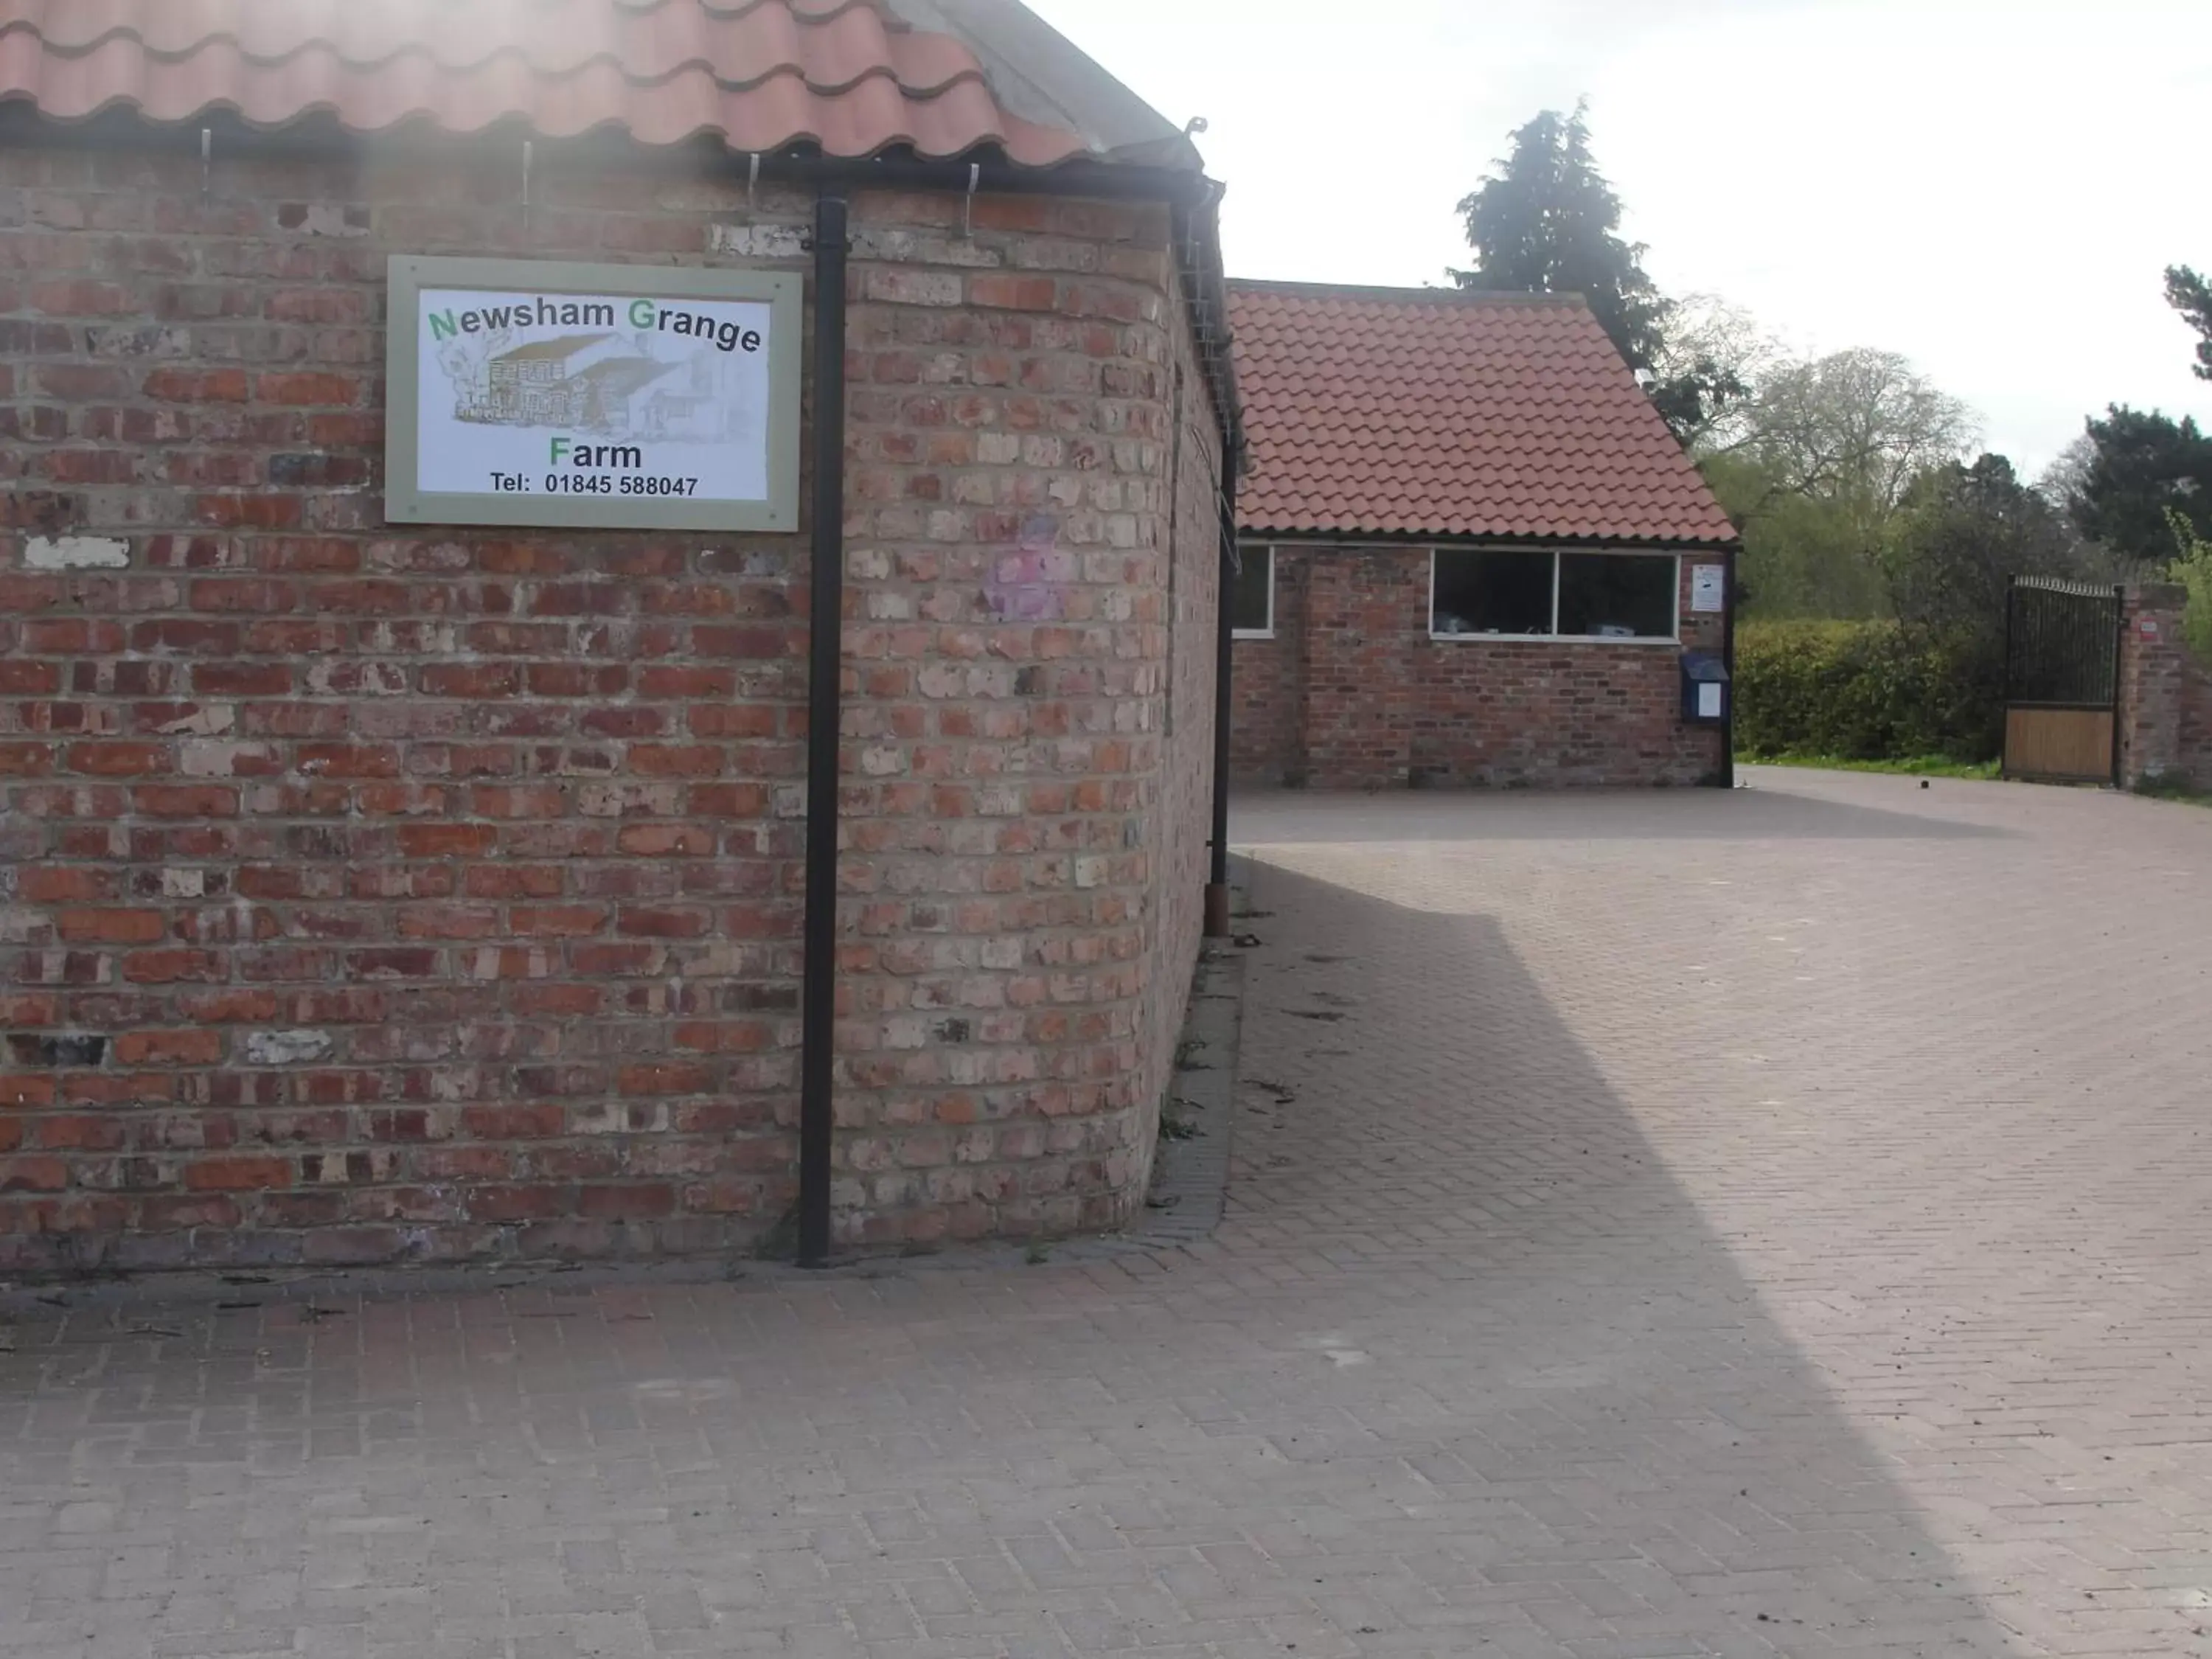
x=1709 y=702
x=1708 y=586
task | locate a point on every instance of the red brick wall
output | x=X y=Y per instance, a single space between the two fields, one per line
x=2196 y=725
x=1266 y=683
x=1354 y=693
x=1360 y=676
x=385 y=893
x=2166 y=693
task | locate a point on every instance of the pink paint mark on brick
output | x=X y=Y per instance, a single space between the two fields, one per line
x=1021 y=587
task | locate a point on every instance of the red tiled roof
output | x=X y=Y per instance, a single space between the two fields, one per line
x=855 y=76
x=1420 y=411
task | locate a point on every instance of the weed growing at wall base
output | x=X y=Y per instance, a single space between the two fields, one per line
x=2175 y=787
x=1918 y=766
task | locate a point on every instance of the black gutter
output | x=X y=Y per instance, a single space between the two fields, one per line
x=1357 y=540
x=818 y=1118
x=317 y=134
x=1224 y=651
x=1197 y=236
x=1102 y=179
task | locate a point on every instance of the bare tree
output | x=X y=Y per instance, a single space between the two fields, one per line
x=1816 y=465
x=1856 y=426
x=2064 y=481
x=1712 y=339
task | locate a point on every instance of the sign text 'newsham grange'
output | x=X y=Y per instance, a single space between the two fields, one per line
x=547 y=313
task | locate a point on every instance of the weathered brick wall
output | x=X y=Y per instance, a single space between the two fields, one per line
x=1367 y=619
x=1183 y=814
x=1266 y=685
x=1380 y=704
x=1563 y=715
x=2166 y=693
x=2196 y=724
x=382 y=894
x=1014 y=436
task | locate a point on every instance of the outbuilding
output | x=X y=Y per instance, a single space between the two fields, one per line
x=1472 y=551
x=584 y=584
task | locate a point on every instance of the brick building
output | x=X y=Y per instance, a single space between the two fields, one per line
x=1473 y=553
x=396 y=893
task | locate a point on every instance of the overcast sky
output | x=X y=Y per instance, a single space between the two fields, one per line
x=1991 y=187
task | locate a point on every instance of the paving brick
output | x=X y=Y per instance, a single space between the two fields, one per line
x=1660 y=1226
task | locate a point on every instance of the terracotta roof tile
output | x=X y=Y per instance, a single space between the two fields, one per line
x=850 y=74
x=1421 y=411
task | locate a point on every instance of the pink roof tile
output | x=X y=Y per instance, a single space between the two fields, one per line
x=851 y=76
x=1428 y=412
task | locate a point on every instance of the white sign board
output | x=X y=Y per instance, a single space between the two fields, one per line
x=1708 y=587
x=528 y=392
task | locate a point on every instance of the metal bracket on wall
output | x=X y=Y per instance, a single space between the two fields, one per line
x=752 y=185
x=967 y=209
x=207 y=163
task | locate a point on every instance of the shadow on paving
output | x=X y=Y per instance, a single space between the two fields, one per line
x=1749 y=814
x=1465 y=1373
x=1548 y=1335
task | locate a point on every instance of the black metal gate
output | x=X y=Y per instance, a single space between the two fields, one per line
x=2062 y=681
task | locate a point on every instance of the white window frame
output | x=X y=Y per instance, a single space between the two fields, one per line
x=1555 y=637
x=1244 y=548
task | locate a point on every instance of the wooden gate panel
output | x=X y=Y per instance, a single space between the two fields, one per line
x=2073 y=743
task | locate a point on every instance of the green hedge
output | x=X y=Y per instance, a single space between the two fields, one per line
x=2194 y=573
x=1865 y=691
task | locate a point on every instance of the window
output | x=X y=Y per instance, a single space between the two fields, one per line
x=1617 y=596
x=1252 y=597
x=1512 y=594
x=1492 y=594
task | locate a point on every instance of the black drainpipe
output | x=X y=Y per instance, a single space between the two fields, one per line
x=1217 y=890
x=817 y=1120
x=1727 y=662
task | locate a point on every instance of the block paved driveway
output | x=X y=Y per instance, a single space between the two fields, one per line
x=1752 y=1224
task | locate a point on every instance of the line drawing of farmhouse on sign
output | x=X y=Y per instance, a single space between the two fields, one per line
x=606 y=383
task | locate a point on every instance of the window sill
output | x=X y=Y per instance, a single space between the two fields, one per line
x=1251 y=633
x=1555 y=639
